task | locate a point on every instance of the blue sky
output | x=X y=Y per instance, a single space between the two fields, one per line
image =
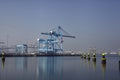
x=95 y=23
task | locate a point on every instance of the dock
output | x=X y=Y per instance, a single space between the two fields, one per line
x=37 y=55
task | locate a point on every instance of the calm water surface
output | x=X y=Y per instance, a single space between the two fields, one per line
x=59 y=68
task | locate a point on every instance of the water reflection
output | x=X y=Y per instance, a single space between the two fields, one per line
x=3 y=62
x=94 y=64
x=119 y=66
x=58 y=68
x=89 y=63
x=21 y=63
x=47 y=68
x=103 y=70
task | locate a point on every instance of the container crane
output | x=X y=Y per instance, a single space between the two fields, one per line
x=54 y=43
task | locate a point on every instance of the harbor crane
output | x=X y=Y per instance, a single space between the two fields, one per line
x=54 y=42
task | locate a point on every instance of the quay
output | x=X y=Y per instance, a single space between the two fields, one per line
x=37 y=55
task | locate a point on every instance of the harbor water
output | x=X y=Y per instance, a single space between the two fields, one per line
x=59 y=68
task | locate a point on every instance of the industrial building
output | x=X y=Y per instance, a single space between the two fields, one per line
x=21 y=49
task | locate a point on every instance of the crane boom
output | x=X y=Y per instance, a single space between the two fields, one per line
x=68 y=36
x=58 y=35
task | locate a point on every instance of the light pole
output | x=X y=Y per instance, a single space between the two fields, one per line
x=1 y=43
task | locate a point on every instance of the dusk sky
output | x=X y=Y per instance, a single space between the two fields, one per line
x=95 y=23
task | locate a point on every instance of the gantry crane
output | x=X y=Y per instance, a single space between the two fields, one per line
x=54 y=42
